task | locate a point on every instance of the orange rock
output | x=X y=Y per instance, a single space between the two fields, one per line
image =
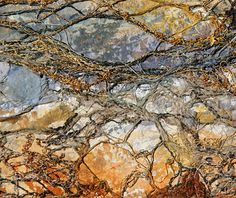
x=58 y=191
x=35 y=187
x=54 y=174
x=163 y=167
x=110 y=163
x=84 y=175
x=140 y=189
x=42 y=117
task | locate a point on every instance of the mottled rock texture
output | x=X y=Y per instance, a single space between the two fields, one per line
x=117 y=98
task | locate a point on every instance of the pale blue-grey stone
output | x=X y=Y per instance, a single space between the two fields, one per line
x=108 y=40
x=22 y=86
x=7 y=34
x=4 y=68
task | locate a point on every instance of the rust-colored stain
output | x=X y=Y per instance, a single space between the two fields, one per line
x=35 y=187
x=190 y=186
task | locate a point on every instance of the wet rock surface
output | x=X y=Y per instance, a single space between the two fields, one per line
x=117 y=99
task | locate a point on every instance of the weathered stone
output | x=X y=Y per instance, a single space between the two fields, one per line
x=112 y=40
x=159 y=124
x=16 y=143
x=215 y=134
x=116 y=130
x=203 y=114
x=110 y=163
x=68 y=154
x=8 y=34
x=145 y=137
x=164 y=167
x=140 y=189
x=165 y=103
x=43 y=116
x=4 y=68
x=23 y=86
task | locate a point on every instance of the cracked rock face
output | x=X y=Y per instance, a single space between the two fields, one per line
x=117 y=99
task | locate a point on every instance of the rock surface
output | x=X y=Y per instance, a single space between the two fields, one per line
x=117 y=99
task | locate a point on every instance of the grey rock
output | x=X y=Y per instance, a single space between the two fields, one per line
x=22 y=86
x=142 y=91
x=145 y=137
x=108 y=40
x=4 y=68
x=7 y=34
